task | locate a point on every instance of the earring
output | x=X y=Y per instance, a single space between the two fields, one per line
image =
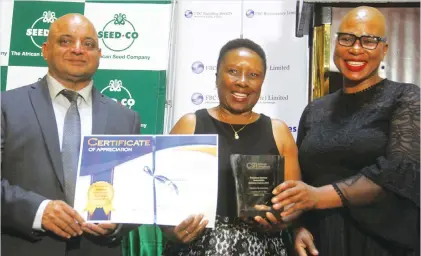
x=382 y=69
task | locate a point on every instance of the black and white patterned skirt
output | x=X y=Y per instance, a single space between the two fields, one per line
x=228 y=239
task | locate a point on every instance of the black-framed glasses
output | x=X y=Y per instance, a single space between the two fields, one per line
x=367 y=41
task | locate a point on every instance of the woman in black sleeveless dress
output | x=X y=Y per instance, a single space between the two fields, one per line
x=241 y=71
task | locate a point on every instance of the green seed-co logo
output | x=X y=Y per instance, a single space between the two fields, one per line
x=119 y=93
x=40 y=28
x=118 y=34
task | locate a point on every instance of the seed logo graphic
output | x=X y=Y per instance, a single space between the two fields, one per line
x=118 y=34
x=40 y=28
x=119 y=93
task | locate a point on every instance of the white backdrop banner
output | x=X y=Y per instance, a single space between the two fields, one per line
x=204 y=27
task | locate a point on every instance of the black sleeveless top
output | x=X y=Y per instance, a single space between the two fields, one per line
x=255 y=139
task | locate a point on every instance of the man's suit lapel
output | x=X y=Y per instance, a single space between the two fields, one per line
x=99 y=113
x=43 y=107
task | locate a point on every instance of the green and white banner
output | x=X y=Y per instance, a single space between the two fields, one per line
x=134 y=38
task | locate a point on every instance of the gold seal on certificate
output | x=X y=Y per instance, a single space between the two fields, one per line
x=100 y=195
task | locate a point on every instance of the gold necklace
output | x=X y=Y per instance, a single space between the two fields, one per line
x=236 y=136
x=236 y=132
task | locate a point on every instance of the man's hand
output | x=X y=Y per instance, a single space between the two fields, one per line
x=61 y=219
x=102 y=229
x=304 y=243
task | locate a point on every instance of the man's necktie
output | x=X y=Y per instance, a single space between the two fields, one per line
x=71 y=145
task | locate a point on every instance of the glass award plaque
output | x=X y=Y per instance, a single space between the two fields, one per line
x=255 y=178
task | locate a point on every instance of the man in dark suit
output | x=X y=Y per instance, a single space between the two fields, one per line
x=41 y=127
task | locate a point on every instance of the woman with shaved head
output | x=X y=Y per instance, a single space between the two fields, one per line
x=359 y=152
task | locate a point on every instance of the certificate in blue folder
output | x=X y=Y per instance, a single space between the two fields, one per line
x=147 y=179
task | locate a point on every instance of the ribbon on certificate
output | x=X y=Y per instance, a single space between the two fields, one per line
x=161 y=179
x=157 y=178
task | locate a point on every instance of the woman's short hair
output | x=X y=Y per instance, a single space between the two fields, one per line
x=241 y=43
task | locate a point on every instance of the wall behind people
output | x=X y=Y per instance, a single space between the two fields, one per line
x=133 y=36
x=201 y=28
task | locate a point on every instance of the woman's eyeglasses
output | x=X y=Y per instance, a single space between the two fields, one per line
x=367 y=41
